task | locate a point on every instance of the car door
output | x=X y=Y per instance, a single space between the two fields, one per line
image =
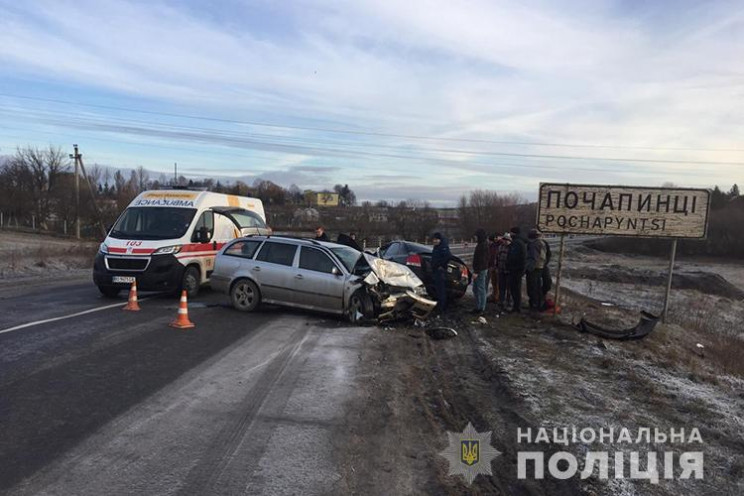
x=274 y=272
x=315 y=282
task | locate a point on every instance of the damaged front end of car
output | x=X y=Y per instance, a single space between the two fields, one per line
x=395 y=291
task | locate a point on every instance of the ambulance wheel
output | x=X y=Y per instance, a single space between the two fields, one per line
x=109 y=291
x=245 y=295
x=191 y=281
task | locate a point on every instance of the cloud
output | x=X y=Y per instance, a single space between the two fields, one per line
x=585 y=73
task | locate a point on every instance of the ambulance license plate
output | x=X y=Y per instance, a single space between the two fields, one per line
x=122 y=279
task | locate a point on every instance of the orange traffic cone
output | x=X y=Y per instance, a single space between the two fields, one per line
x=132 y=304
x=182 y=320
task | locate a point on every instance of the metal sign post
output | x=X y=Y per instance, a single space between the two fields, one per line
x=558 y=276
x=669 y=281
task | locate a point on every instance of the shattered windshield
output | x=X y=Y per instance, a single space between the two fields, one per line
x=153 y=223
x=352 y=260
x=348 y=256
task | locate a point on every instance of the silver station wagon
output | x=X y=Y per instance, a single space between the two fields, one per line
x=319 y=276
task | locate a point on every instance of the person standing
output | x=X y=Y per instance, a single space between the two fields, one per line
x=534 y=268
x=503 y=272
x=348 y=240
x=440 y=256
x=480 y=271
x=320 y=234
x=547 y=281
x=493 y=272
x=515 y=265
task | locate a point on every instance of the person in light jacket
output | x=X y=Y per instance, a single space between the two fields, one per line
x=480 y=271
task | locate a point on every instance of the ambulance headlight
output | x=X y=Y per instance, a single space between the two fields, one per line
x=168 y=250
x=103 y=248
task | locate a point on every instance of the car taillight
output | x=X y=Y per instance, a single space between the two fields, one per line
x=414 y=260
x=464 y=272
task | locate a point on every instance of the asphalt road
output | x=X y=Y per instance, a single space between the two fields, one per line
x=113 y=402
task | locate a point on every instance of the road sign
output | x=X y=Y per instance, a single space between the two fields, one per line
x=623 y=210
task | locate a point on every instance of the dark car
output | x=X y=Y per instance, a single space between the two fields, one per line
x=418 y=258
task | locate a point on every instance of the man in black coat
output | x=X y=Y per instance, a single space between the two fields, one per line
x=440 y=255
x=320 y=234
x=516 y=261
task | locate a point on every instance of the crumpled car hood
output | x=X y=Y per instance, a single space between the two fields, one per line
x=398 y=290
x=390 y=273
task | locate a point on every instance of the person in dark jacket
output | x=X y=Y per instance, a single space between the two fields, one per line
x=348 y=240
x=493 y=272
x=480 y=271
x=320 y=234
x=501 y=258
x=547 y=282
x=515 y=265
x=534 y=269
x=440 y=256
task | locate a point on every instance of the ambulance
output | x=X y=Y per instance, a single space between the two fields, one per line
x=167 y=239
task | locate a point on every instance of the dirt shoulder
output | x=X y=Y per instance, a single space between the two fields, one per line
x=534 y=371
x=26 y=257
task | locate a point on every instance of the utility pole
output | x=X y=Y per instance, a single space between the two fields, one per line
x=76 y=157
x=175 y=173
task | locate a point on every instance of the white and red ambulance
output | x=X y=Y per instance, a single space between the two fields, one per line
x=167 y=239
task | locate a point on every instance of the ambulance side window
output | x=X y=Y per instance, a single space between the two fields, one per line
x=205 y=222
x=225 y=229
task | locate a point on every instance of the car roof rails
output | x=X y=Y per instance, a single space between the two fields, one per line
x=298 y=238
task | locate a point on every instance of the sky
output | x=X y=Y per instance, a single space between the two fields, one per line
x=415 y=99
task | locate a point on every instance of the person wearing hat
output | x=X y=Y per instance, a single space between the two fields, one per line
x=501 y=256
x=515 y=265
x=440 y=256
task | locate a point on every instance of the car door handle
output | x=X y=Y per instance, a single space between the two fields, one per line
x=257 y=269
x=299 y=276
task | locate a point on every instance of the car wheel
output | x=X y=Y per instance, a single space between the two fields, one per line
x=360 y=307
x=191 y=281
x=109 y=291
x=245 y=295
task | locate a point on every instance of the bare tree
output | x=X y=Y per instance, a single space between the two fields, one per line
x=45 y=167
x=142 y=178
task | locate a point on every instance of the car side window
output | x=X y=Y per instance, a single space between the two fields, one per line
x=393 y=250
x=316 y=260
x=277 y=253
x=243 y=249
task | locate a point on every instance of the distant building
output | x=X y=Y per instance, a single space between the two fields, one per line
x=327 y=199
x=449 y=221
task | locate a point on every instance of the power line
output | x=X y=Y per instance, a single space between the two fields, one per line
x=233 y=139
x=358 y=132
x=480 y=168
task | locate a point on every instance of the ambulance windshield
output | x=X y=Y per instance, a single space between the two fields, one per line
x=151 y=223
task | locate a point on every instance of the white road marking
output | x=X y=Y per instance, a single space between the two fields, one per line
x=46 y=321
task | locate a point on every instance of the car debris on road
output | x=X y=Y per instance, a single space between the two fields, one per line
x=642 y=329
